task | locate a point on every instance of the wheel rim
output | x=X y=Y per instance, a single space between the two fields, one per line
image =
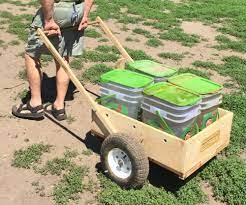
x=119 y=163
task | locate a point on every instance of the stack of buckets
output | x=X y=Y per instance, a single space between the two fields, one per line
x=208 y=90
x=182 y=106
x=122 y=91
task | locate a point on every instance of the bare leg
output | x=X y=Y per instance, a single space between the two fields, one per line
x=62 y=82
x=34 y=75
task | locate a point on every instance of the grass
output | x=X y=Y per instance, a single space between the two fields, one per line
x=87 y=152
x=70 y=186
x=204 y=74
x=172 y=56
x=232 y=66
x=14 y=43
x=93 y=73
x=226 y=43
x=70 y=119
x=143 y=32
x=150 y=195
x=22 y=94
x=92 y=33
x=30 y=156
x=138 y=54
x=77 y=64
x=22 y=74
x=227 y=176
x=177 y=34
x=154 y=42
x=94 y=56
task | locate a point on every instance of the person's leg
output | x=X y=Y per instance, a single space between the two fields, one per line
x=34 y=75
x=62 y=82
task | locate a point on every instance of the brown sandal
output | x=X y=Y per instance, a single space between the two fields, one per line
x=59 y=115
x=26 y=111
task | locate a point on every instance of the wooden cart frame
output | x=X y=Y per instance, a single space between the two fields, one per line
x=179 y=156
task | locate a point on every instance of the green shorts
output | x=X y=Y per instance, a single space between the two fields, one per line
x=71 y=41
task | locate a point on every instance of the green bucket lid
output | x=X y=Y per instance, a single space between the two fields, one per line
x=126 y=78
x=152 y=68
x=196 y=84
x=172 y=94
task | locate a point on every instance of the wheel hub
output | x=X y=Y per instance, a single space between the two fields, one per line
x=119 y=163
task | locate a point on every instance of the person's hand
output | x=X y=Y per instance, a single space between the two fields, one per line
x=52 y=28
x=83 y=24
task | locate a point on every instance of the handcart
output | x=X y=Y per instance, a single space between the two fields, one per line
x=129 y=144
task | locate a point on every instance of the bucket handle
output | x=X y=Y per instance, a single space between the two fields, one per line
x=164 y=124
x=105 y=98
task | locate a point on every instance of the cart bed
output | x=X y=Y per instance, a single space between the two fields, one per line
x=179 y=156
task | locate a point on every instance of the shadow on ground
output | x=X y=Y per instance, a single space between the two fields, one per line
x=49 y=90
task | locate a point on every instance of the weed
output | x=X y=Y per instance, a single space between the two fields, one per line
x=70 y=119
x=14 y=43
x=138 y=54
x=76 y=64
x=92 y=33
x=113 y=194
x=143 y=32
x=22 y=74
x=177 y=34
x=125 y=19
x=173 y=56
x=153 y=42
x=55 y=166
x=70 y=185
x=87 y=152
x=71 y=153
x=227 y=176
x=204 y=74
x=22 y=94
x=93 y=73
x=31 y=155
x=107 y=49
x=94 y=56
x=1 y=43
x=129 y=39
x=206 y=64
x=46 y=58
x=102 y=40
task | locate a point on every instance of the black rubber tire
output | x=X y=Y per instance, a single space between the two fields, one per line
x=136 y=153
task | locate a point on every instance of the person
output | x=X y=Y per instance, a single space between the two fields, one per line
x=64 y=22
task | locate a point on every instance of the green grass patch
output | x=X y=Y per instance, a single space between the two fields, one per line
x=70 y=186
x=112 y=194
x=94 y=56
x=22 y=94
x=204 y=74
x=93 y=73
x=14 y=43
x=77 y=64
x=233 y=66
x=92 y=33
x=138 y=54
x=172 y=56
x=27 y=158
x=87 y=152
x=143 y=32
x=177 y=34
x=226 y=43
x=154 y=42
x=22 y=74
x=227 y=176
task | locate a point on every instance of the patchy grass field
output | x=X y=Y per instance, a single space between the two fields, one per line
x=57 y=163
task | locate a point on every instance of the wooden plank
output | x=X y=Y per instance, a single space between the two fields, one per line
x=114 y=40
x=108 y=125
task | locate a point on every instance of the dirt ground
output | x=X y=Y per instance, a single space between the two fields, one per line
x=15 y=184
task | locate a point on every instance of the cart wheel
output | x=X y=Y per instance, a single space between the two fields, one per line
x=124 y=160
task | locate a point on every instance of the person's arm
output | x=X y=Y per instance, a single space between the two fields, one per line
x=84 y=22
x=49 y=23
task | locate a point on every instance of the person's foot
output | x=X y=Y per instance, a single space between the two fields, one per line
x=58 y=113
x=27 y=111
